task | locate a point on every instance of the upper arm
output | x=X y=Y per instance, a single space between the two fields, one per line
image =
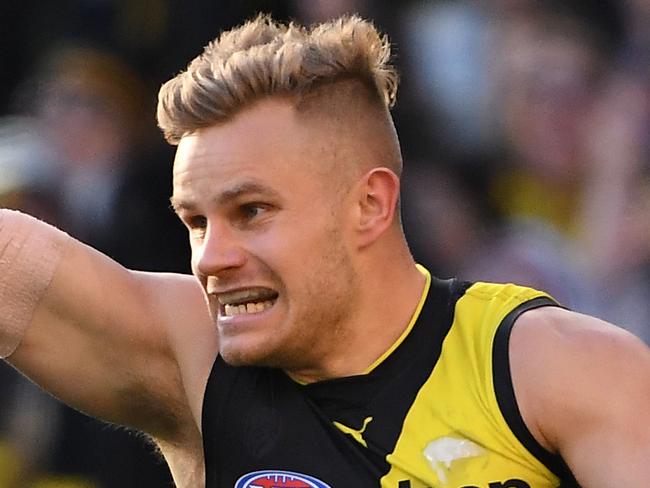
x=583 y=387
x=102 y=340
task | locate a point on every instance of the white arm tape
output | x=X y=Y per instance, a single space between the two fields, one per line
x=30 y=251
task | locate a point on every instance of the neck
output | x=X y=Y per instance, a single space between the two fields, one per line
x=389 y=298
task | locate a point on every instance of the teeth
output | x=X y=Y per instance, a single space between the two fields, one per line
x=248 y=308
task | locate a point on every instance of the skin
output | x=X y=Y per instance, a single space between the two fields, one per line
x=268 y=209
x=238 y=211
x=593 y=405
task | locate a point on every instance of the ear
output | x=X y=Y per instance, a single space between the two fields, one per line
x=377 y=202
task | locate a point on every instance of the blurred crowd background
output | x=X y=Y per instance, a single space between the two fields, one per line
x=524 y=128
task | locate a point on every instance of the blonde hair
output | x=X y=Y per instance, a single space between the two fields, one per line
x=264 y=57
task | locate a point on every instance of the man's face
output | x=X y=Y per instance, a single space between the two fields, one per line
x=268 y=226
x=546 y=99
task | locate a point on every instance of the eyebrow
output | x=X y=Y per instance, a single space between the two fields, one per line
x=245 y=188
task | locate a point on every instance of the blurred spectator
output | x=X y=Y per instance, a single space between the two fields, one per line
x=450 y=46
x=570 y=183
x=615 y=231
x=549 y=78
x=575 y=134
x=26 y=167
x=88 y=114
x=443 y=218
x=566 y=203
x=90 y=107
x=27 y=414
x=95 y=115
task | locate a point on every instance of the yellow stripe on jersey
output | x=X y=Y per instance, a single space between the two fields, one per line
x=454 y=434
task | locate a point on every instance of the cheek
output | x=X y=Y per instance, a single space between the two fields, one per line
x=297 y=263
x=286 y=245
x=295 y=248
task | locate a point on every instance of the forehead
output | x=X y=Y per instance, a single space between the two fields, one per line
x=269 y=124
x=266 y=143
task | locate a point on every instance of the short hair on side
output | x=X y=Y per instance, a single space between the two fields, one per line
x=264 y=57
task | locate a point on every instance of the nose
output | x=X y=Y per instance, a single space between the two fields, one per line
x=219 y=251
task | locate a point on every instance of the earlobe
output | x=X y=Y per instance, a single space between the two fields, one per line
x=378 y=194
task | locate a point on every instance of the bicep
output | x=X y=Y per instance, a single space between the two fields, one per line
x=585 y=390
x=607 y=422
x=97 y=343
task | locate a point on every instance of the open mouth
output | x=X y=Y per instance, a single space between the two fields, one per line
x=246 y=302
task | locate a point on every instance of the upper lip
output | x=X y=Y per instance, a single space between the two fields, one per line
x=244 y=295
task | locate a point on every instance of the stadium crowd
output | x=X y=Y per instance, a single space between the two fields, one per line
x=525 y=129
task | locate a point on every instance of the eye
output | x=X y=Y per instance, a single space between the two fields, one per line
x=197 y=225
x=250 y=211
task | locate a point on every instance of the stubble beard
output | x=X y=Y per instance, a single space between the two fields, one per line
x=328 y=298
x=318 y=326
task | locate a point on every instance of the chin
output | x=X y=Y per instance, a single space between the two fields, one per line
x=235 y=356
x=241 y=356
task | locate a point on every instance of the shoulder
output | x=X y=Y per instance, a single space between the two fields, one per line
x=495 y=301
x=487 y=311
x=572 y=372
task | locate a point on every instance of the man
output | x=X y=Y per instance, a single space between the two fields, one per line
x=328 y=357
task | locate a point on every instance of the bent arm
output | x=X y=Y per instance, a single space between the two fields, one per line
x=583 y=387
x=95 y=334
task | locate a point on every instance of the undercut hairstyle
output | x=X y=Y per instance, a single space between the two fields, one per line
x=263 y=58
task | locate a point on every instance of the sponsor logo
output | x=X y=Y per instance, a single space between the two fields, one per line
x=443 y=452
x=279 y=479
x=513 y=483
x=357 y=434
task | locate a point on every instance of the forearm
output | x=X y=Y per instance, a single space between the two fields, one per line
x=30 y=251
